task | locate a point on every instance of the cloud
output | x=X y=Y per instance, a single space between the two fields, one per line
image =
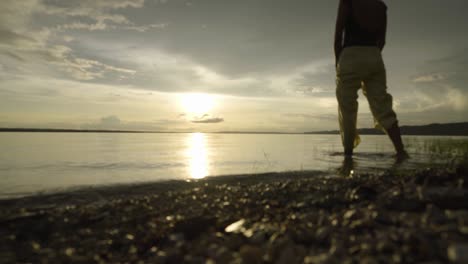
x=99 y=10
x=14 y=56
x=31 y=58
x=113 y=122
x=432 y=77
x=315 y=80
x=110 y=121
x=84 y=69
x=102 y=15
x=203 y=65
x=31 y=47
x=327 y=117
x=112 y=4
x=243 y=39
x=207 y=119
x=265 y=50
x=444 y=87
x=144 y=28
x=12 y=38
x=17 y=14
x=100 y=25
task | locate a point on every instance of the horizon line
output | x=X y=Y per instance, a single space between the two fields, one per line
x=70 y=130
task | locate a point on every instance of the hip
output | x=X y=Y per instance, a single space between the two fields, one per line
x=354 y=57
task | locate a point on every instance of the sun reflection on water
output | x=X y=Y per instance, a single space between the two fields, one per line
x=197 y=153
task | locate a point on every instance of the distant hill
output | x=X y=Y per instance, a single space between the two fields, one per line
x=58 y=130
x=450 y=129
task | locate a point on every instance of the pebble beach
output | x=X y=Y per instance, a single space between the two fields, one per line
x=418 y=216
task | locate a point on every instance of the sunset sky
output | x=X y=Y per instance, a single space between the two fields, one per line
x=214 y=65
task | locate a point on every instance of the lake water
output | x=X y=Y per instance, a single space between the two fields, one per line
x=44 y=162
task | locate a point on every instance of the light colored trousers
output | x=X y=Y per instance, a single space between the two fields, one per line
x=362 y=67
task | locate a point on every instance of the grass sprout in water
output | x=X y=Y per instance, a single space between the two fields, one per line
x=448 y=151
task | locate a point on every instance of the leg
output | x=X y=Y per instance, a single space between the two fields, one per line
x=380 y=103
x=395 y=136
x=346 y=93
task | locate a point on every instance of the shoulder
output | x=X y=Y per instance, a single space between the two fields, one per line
x=346 y=4
x=383 y=5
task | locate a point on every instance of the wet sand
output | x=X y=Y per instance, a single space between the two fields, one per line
x=293 y=217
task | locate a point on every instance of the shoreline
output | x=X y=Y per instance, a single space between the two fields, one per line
x=138 y=187
x=287 y=217
x=113 y=191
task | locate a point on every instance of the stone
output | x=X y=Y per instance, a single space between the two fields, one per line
x=251 y=254
x=458 y=253
x=194 y=227
x=235 y=227
x=322 y=235
x=259 y=237
x=401 y=203
x=448 y=198
x=363 y=193
x=320 y=258
x=291 y=253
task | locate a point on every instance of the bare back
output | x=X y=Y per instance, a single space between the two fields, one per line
x=369 y=14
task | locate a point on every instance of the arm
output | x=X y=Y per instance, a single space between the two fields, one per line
x=339 y=29
x=383 y=35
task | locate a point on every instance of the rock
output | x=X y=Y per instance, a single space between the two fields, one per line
x=433 y=177
x=385 y=247
x=251 y=254
x=235 y=227
x=384 y=217
x=233 y=242
x=338 y=220
x=24 y=215
x=458 y=253
x=259 y=237
x=401 y=203
x=363 y=193
x=223 y=255
x=177 y=237
x=8 y=257
x=448 y=198
x=462 y=169
x=337 y=248
x=320 y=258
x=304 y=236
x=195 y=259
x=349 y=214
x=434 y=215
x=322 y=235
x=291 y=254
x=194 y=227
x=369 y=260
x=174 y=256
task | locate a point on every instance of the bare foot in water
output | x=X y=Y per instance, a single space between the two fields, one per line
x=402 y=156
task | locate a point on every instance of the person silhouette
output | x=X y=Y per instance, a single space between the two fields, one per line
x=360 y=36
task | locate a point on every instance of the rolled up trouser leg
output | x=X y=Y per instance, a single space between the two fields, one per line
x=380 y=102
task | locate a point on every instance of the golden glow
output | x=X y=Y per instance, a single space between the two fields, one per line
x=197 y=103
x=197 y=153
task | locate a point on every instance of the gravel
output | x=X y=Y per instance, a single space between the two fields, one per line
x=291 y=217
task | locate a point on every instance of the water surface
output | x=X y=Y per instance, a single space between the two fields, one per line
x=42 y=162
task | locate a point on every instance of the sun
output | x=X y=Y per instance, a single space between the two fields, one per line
x=197 y=103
